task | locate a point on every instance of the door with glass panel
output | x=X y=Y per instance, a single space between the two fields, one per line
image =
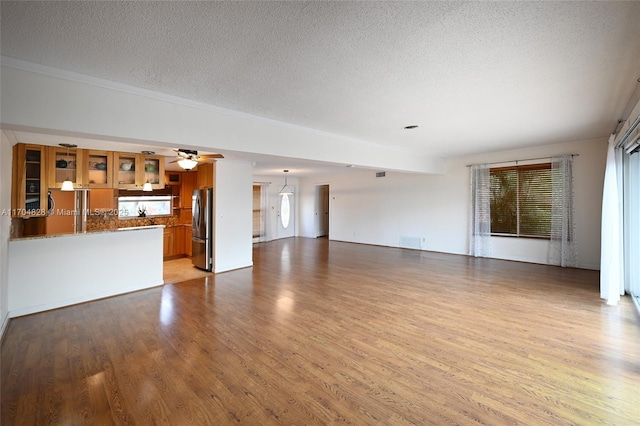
x=286 y=216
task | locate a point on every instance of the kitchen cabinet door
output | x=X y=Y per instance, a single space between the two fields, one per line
x=178 y=241
x=126 y=170
x=29 y=182
x=205 y=175
x=132 y=171
x=98 y=169
x=153 y=170
x=168 y=244
x=188 y=236
x=189 y=182
x=66 y=164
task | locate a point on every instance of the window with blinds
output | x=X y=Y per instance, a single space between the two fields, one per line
x=521 y=201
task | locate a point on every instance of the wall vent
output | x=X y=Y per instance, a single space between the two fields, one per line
x=381 y=174
x=411 y=242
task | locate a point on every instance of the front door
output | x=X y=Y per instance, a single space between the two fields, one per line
x=286 y=216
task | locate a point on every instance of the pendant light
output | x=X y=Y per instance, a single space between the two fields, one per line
x=147 y=185
x=67 y=185
x=285 y=189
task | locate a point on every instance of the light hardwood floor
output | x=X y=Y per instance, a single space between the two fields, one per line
x=321 y=332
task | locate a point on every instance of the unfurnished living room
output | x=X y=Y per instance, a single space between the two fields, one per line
x=320 y=212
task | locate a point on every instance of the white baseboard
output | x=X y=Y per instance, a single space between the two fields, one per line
x=237 y=266
x=4 y=324
x=88 y=298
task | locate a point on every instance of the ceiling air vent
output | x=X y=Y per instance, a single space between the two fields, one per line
x=381 y=174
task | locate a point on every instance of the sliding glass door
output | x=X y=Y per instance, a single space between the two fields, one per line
x=632 y=224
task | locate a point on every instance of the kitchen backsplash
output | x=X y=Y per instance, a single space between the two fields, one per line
x=101 y=222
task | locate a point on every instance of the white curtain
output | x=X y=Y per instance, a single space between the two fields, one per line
x=563 y=236
x=611 y=282
x=480 y=212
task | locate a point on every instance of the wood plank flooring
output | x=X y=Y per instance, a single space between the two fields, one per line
x=323 y=332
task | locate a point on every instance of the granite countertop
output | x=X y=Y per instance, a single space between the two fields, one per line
x=100 y=231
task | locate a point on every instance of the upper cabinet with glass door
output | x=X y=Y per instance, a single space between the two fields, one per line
x=65 y=163
x=126 y=170
x=98 y=169
x=29 y=189
x=132 y=171
x=154 y=171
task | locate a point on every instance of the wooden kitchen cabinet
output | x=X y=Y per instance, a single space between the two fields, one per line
x=29 y=183
x=132 y=171
x=125 y=171
x=168 y=244
x=174 y=241
x=66 y=164
x=97 y=169
x=176 y=198
x=178 y=241
x=188 y=236
x=189 y=184
x=205 y=175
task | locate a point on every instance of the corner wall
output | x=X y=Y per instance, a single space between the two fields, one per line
x=6 y=156
x=430 y=212
x=233 y=216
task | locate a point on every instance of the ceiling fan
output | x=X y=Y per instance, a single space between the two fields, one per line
x=188 y=158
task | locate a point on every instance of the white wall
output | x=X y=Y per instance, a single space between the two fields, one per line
x=51 y=272
x=6 y=155
x=433 y=209
x=233 y=215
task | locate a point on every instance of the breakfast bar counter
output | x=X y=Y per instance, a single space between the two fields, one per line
x=52 y=271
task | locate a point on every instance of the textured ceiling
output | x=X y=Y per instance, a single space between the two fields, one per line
x=475 y=76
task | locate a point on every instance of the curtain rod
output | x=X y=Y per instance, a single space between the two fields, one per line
x=525 y=159
x=628 y=133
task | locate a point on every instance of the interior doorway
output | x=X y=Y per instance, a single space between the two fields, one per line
x=260 y=212
x=322 y=211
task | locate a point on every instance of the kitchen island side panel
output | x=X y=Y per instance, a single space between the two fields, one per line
x=52 y=272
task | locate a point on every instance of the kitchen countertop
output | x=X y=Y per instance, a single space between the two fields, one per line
x=101 y=231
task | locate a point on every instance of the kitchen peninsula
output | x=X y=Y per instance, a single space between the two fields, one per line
x=52 y=271
x=66 y=248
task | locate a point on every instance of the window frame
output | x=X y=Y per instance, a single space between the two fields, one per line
x=518 y=168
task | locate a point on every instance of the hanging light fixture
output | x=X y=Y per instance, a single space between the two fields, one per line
x=285 y=189
x=67 y=185
x=187 y=163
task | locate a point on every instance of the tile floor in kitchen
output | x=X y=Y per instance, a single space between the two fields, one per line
x=182 y=269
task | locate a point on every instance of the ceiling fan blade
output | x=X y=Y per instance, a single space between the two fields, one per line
x=174 y=161
x=209 y=156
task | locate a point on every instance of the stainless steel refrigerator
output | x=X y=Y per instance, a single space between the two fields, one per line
x=202 y=227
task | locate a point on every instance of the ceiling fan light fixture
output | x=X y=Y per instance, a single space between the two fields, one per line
x=187 y=163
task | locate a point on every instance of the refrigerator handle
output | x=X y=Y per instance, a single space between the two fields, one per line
x=195 y=225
